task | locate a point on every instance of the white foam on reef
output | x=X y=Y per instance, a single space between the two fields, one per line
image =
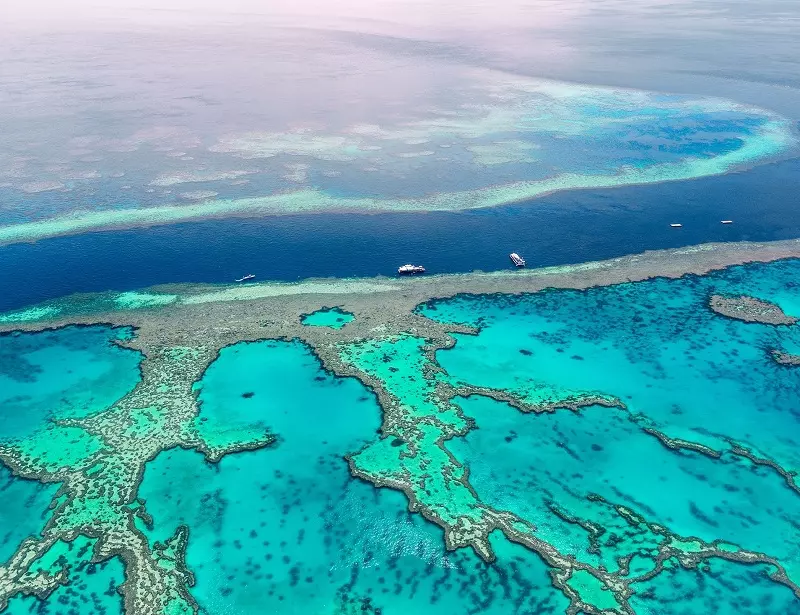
x=301 y=142
x=198 y=195
x=500 y=168
x=32 y=314
x=132 y=300
x=279 y=289
x=42 y=186
x=513 y=151
x=166 y=181
x=416 y=154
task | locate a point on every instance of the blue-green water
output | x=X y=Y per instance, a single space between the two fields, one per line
x=66 y=373
x=722 y=588
x=655 y=346
x=400 y=109
x=328 y=317
x=528 y=463
x=677 y=367
x=23 y=510
x=69 y=372
x=90 y=588
x=289 y=530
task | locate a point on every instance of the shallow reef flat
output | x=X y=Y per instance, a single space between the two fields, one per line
x=495 y=140
x=599 y=438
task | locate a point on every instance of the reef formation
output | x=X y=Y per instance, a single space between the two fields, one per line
x=494 y=140
x=526 y=410
x=750 y=309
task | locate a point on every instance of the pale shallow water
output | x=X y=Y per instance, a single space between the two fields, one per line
x=91 y=588
x=290 y=530
x=327 y=317
x=261 y=118
x=71 y=372
x=579 y=94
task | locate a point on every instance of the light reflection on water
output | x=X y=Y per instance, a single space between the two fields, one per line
x=145 y=116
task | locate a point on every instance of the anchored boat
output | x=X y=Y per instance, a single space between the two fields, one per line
x=249 y=276
x=411 y=269
x=517 y=259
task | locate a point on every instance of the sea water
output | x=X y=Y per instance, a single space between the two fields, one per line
x=70 y=372
x=67 y=373
x=334 y=318
x=90 y=587
x=677 y=367
x=287 y=529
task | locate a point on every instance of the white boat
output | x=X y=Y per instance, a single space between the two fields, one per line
x=676 y=225
x=249 y=276
x=517 y=259
x=410 y=269
x=726 y=221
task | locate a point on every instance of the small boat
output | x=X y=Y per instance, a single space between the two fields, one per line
x=676 y=225
x=249 y=276
x=726 y=221
x=517 y=259
x=411 y=269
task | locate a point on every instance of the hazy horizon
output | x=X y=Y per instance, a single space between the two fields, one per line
x=477 y=14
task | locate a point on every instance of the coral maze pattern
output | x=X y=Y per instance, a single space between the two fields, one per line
x=621 y=449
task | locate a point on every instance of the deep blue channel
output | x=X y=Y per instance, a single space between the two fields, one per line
x=569 y=227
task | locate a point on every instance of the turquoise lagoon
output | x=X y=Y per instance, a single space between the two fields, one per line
x=44 y=377
x=334 y=318
x=288 y=529
x=24 y=510
x=66 y=373
x=655 y=346
x=91 y=587
x=676 y=366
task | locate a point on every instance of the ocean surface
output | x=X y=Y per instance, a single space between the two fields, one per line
x=177 y=144
x=356 y=114
x=287 y=528
x=572 y=227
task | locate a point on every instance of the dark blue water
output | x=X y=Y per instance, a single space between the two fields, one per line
x=568 y=227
